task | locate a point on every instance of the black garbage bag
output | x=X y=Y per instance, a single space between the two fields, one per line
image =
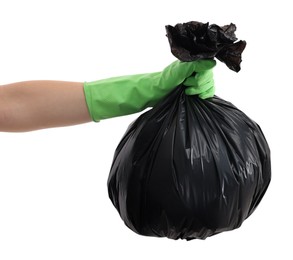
x=191 y=168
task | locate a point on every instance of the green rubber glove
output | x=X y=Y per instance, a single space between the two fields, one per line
x=125 y=95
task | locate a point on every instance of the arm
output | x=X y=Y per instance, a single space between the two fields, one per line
x=33 y=105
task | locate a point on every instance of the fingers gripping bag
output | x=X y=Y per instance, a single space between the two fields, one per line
x=191 y=168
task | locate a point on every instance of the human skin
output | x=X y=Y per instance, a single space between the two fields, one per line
x=38 y=104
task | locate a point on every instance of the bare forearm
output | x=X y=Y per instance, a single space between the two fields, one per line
x=38 y=104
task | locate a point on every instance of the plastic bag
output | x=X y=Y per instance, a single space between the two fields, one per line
x=189 y=168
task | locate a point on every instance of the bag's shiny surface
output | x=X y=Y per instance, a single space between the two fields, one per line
x=189 y=168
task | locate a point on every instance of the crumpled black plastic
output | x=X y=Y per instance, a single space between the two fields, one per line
x=195 y=40
x=189 y=168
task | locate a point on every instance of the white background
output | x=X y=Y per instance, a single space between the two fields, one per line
x=53 y=195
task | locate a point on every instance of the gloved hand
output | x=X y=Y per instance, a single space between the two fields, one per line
x=201 y=84
x=125 y=95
